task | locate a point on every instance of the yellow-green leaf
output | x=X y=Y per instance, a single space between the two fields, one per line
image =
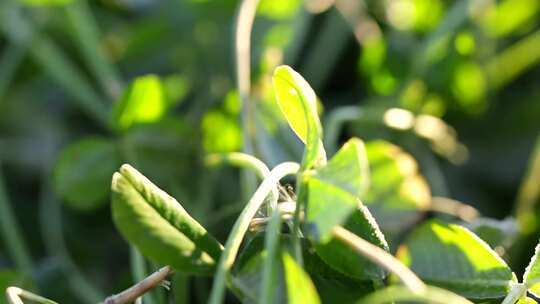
x=452 y=257
x=300 y=288
x=298 y=103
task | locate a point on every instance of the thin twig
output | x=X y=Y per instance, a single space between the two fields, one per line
x=242 y=224
x=136 y=291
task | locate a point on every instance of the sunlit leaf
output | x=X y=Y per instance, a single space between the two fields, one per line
x=526 y=300
x=531 y=277
x=158 y=226
x=143 y=102
x=300 y=288
x=82 y=173
x=334 y=189
x=452 y=257
x=399 y=294
x=9 y=278
x=298 y=103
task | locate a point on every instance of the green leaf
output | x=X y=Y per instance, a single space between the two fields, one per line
x=531 y=277
x=143 y=102
x=82 y=172
x=432 y=295
x=158 y=225
x=44 y=2
x=12 y=278
x=298 y=103
x=300 y=288
x=334 y=189
x=344 y=259
x=452 y=257
x=397 y=194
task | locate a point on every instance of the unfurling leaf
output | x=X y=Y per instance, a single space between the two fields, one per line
x=452 y=257
x=158 y=226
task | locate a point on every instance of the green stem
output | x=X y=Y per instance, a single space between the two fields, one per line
x=516 y=292
x=12 y=235
x=245 y=161
x=529 y=192
x=241 y=226
x=51 y=228
x=300 y=198
x=269 y=281
x=87 y=34
x=244 y=25
x=14 y=295
x=380 y=257
x=138 y=269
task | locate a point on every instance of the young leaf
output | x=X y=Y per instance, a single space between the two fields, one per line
x=452 y=257
x=334 y=189
x=158 y=225
x=82 y=173
x=300 y=288
x=344 y=259
x=531 y=277
x=143 y=102
x=298 y=103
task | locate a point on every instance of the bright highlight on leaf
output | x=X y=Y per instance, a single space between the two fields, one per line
x=452 y=257
x=298 y=103
x=158 y=225
x=45 y=2
x=143 y=102
x=334 y=189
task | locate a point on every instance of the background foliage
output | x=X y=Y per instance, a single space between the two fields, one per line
x=88 y=85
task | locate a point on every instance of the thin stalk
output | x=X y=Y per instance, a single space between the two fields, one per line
x=51 y=229
x=516 y=292
x=238 y=159
x=300 y=198
x=380 y=257
x=241 y=226
x=13 y=240
x=138 y=269
x=269 y=281
x=334 y=124
x=86 y=32
x=136 y=291
x=244 y=25
x=180 y=288
x=245 y=161
x=529 y=192
x=14 y=295
x=9 y=62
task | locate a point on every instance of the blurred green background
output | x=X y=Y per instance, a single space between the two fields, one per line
x=86 y=85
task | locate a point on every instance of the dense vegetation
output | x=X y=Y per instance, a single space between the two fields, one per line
x=170 y=143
